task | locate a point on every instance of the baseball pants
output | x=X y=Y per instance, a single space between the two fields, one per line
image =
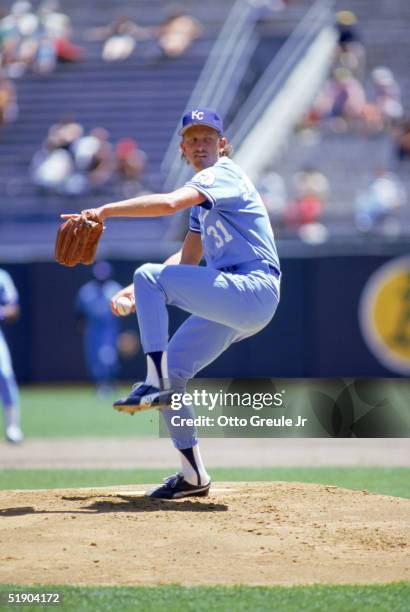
x=225 y=306
x=8 y=387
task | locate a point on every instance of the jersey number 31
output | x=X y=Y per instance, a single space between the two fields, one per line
x=221 y=237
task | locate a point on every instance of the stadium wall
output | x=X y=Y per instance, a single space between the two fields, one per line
x=315 y=333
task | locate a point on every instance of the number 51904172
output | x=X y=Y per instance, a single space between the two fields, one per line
x=42 y=598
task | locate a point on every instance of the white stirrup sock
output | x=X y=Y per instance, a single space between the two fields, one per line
x=192 y=467
x=157 y=370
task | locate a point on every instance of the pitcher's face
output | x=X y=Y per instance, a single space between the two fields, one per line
x=202 y=146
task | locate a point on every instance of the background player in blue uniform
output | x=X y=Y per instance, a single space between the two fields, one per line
x=234 y=296
x=9 y=310
x=93 y=304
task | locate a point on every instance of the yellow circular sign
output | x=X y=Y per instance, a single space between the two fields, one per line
x=385 y=314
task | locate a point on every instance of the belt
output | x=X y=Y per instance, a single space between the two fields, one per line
x=272 y=269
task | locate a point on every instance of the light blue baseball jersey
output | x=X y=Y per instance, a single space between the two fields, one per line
x=233 y=221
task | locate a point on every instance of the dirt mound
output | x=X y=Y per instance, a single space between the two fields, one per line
x=256 y=533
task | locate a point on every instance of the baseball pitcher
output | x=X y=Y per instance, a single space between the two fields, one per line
x=233 y=297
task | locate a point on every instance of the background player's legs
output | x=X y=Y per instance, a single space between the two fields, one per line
x=10 y=398
x=101 y=358
x=9 y=395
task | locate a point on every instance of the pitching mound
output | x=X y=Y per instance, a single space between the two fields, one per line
x=255 y=534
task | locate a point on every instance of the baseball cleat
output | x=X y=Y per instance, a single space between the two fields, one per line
x=176 y=487
x=143 y=397
x=14 y=434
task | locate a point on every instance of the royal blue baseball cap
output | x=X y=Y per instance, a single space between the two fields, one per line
x=202 y=116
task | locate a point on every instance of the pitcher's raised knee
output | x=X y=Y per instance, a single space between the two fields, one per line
x=148 y=272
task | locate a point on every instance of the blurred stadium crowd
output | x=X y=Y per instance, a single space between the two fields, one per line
x=358 y=103
x=72 y=161
x=360 y=109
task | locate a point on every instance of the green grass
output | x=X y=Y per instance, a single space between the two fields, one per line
x=387 y=481
x=77 y=411
x=381 y=598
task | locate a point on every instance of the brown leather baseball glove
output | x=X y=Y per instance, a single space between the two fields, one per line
x=77 y=239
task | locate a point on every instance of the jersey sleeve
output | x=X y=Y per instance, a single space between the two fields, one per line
x=217 y=184
x=8 y=291
x=194 y=225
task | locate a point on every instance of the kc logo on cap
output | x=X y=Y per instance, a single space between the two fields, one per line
x=202 y=116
